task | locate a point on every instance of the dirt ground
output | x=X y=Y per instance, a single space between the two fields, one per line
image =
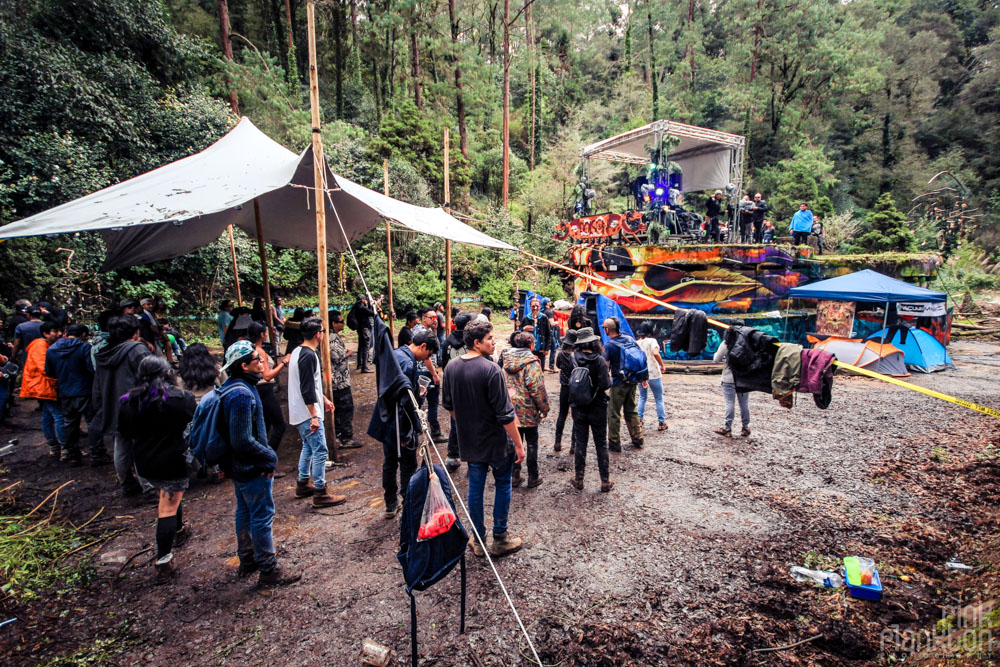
x=685 y=562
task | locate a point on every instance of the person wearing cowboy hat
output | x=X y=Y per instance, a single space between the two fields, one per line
x=593 y=417
x=714 y=209
x=564 y=362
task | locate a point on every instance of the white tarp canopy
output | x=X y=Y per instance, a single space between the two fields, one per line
x=187 y=204
x=708 y=159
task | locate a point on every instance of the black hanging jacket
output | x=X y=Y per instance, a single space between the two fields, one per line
x=751 y=358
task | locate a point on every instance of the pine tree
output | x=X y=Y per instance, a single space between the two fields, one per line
x=886 y=228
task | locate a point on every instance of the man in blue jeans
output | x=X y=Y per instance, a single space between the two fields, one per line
x=475 y=393
x=250 y=465
x=306 y=404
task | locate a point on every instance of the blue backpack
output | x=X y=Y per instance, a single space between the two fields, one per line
x=203 y=434
x=427 y=562
x=633 y=361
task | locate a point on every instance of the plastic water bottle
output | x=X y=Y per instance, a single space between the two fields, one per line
x=818 y=577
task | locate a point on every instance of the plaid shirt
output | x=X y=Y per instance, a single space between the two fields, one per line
x=340 y=372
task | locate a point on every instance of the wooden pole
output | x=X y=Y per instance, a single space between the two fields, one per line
x=506 y=101
x=236 y=270
x=263 y=269
x=319 y=181
x=447 y=242
x=227 y=51
x=388 y=250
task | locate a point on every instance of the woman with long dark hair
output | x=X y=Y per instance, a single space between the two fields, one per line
x=198 y=370
x=257 y=313
x=154 y=415
x=267 y=387
x=578 y=318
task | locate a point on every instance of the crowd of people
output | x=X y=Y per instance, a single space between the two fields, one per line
x=135 y=383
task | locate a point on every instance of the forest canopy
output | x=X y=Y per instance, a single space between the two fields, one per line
x=842 y=101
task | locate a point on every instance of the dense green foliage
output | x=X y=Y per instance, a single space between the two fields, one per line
x=842 y=103
x=885 y=229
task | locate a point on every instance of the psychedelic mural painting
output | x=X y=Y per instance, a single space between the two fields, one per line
x=747 y=281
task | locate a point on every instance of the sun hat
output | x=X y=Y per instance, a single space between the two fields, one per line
x=237 y=351
x=585 y=335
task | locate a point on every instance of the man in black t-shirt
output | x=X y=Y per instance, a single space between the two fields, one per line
x=475 y=393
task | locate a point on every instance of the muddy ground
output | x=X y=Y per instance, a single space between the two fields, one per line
x=685 y=562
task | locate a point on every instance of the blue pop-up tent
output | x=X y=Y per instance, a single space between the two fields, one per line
x=867 y=285
x=921 y=351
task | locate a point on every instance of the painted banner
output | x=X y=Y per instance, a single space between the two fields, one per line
x=922 y=309
x=835 y=318
x=594 y=227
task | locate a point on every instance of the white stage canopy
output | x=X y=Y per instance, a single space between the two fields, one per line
x=708 y=159
x=187 y=204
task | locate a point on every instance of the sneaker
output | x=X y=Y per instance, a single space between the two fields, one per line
x=277 y=577
x=452 y=464
x=391 y=510
x=614 y=447
x=323 y=498
x=637 y=444
x=75 y=458
x=577 y=483
x=477 y=550
x=54 y=451
x=745 y=432
x=557 y=447
x=99 y=459
x=246 y=568
x=303 y=490
x=350 y=443
x=516 y=481
x=505 y=544
x=662 y=426
x=534 y=481
x=607 y=486
x=439 y=439
x=725 y=432
x=165 y=570
x=181 y=536
x=572 y=450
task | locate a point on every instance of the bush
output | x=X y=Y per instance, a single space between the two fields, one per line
x=886 y=229
x=411 y=289
x=497 y=292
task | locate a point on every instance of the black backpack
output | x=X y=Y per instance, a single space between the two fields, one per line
x=352 y=318
x=427 y=562
x=581 y=388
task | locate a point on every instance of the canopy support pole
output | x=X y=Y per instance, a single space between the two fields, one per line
x=319 y=181
x=447 y=242
x=885 y=332
x=236 y=271
x=263 y=270
x=388 y=250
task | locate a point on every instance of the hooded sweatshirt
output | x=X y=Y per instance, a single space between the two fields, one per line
x=454 y=346
x=68 y=360
x=600 y=377
x=114 y=375
x=34 y=382
x=526 y=385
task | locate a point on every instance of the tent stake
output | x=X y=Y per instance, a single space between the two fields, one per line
x=447 y=242
x=263 y=269
x=236 y=271
x=388 y=250
x=319 y=180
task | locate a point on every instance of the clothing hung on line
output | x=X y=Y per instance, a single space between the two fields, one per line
x=817 y=376
x=751 y=358
x=689 y=331
x=786 y=374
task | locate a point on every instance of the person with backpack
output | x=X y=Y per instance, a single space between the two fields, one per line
x=628 y=368
x=526 y=386
x=306 y=405
x=154 y=415
x=340 y=377
x=589 y=382
x=654 y=383
x=69 y=361
x=565 y=364
x=233 y=414
x=364 y=318
x=475 y=394
x=115 y=372
x=729 y=392
x=454 y=348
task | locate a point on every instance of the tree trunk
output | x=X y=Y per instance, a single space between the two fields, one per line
x=293 y=66
x=354 y=25
x=338 y=56
x=227 y=51
x=628 y=39
x=689 y=48
x=459 y=100
x=531 y=51
x=652 y=61
x=506 y=102
x=415 y=65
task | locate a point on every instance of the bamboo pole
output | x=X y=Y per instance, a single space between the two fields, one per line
x=388 y=250
x=263 y=269
x=236 y=270
x=319 y=181
x=447 y=242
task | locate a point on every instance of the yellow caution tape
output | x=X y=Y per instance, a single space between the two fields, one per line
x=722 y=325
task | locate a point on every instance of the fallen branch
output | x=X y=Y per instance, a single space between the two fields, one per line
x=786 y=646
x=54 y=493
x=130 y=559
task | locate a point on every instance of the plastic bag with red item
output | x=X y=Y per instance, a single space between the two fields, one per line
x=438 y=516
